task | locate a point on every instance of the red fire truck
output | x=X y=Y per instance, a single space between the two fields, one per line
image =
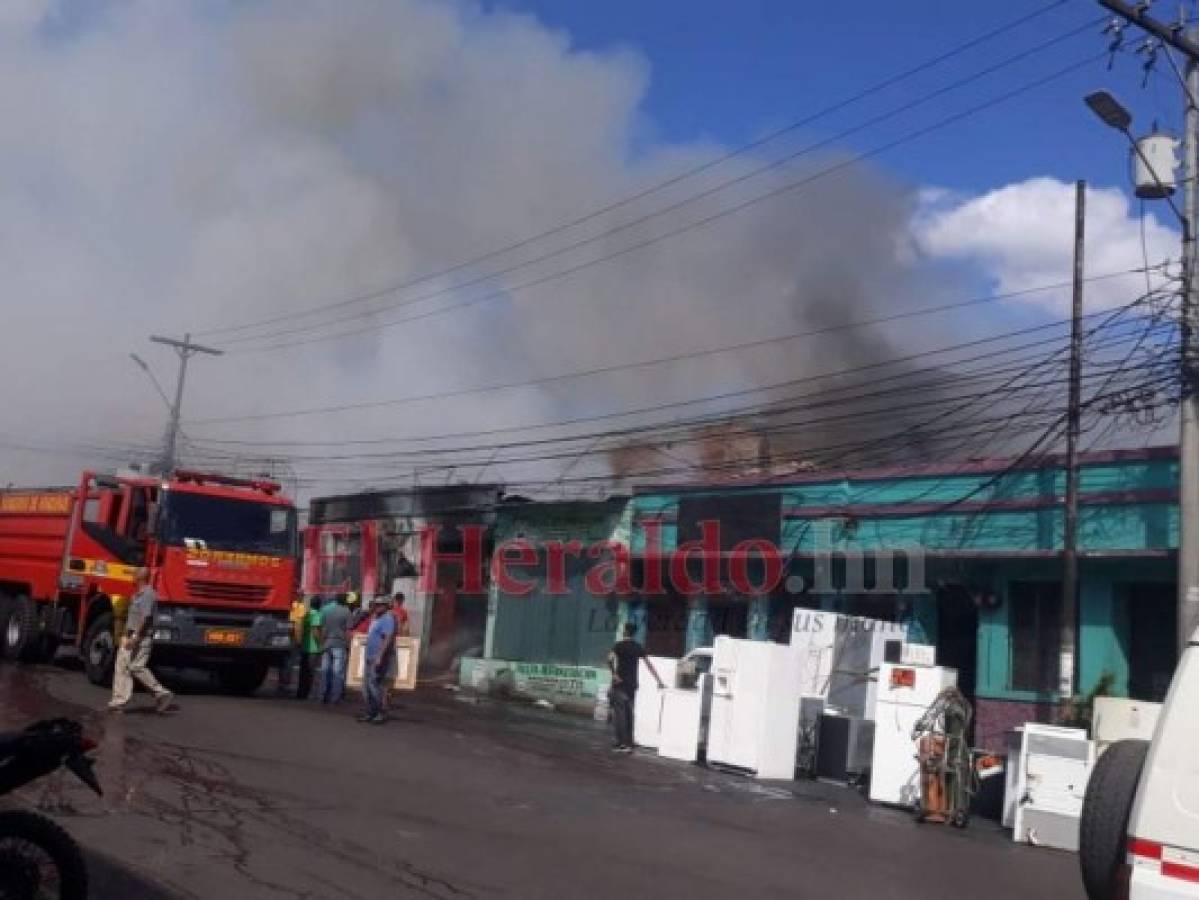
x=221 y=553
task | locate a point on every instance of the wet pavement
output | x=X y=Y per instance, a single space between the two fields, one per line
x=230 y=797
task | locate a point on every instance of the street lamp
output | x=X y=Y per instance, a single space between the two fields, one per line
x=1113 y=114
x=141 y=364
x=1109 y=110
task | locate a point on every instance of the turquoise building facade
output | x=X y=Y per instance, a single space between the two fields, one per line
x=969 y=555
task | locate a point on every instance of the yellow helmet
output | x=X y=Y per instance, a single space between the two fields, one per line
x=352 y=598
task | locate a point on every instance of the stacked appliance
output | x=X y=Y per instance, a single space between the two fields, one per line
x=811 y=711
x=1013 y=743
x=844 y=746
x=813 y=638
x=904 y=692
x=755 y=707
x=860 y=649
x=839 y=659
x=1055 y=765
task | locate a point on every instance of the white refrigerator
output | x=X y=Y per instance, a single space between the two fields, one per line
x=904 y=693
x=647 y=706
x=755 y=707
x=684 y=718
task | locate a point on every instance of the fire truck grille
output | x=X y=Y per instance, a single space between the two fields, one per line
x=200 y=589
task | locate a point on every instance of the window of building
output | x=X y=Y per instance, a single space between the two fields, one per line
x=1035 y=624
x=340 y=560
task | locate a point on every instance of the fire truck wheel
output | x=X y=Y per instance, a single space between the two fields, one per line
x=5 y=609
x=1103 y=829
x=21 y=633
x=244 y=678
x=99 y=650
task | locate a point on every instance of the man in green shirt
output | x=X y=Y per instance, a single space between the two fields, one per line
x=310 y=648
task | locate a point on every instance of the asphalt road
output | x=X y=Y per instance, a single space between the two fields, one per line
x=233 y=797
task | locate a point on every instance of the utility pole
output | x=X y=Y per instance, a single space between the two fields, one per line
x=1188 y=441
x=1184 y=41
x=186 y=350
x=1069 y=654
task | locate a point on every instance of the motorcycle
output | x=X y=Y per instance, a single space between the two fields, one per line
x=38 y=858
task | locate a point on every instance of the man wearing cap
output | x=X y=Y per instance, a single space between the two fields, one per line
x=360 y=615
x=380 y=651
x=133 y=656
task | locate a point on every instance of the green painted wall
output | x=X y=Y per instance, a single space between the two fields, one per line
x=1102 y=627
x=1151 y=526
x=576 y=628
x=1103 y=609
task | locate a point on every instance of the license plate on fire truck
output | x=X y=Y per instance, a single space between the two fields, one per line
x=225 y=637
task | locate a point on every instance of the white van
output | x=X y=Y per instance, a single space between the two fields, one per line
x=1139 y=836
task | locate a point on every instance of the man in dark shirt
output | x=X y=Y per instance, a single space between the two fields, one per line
x=623 y=661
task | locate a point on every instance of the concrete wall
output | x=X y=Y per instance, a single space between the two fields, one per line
x=573 y=688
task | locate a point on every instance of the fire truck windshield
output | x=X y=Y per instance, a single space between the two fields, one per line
x=220 y=523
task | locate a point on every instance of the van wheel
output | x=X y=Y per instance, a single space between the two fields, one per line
x=21 y=636
x=1103 y=831
x=99 y=650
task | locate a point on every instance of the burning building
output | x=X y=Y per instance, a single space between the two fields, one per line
x=379 y=542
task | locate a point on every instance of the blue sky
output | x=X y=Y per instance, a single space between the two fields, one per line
x=734 y=71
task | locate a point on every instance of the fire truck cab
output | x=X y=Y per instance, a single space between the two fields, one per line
x=221 y=552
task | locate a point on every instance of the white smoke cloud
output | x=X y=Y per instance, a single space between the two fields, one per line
x=187 y=166
x=1021 y=236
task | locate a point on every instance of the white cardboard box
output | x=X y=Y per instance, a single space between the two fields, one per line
x=1118 y=719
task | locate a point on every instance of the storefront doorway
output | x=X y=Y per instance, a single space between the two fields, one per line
x=957 y=635
x=1152 y=640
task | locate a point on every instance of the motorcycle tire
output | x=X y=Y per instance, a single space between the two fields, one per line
x=20 y=827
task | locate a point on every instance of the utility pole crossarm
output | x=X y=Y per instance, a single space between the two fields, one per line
x=186 y=350
x=1170 y=34
x=185 y=345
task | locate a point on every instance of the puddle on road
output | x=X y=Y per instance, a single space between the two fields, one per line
x=187 y=798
